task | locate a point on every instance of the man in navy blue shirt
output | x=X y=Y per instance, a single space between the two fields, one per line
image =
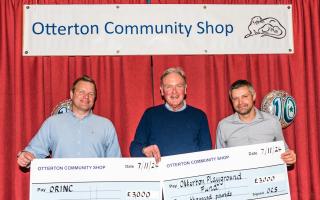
x=173 y=127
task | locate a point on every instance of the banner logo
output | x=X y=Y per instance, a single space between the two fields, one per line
x=270 y=27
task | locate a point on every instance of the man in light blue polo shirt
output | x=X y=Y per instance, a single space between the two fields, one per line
x=248 y=125
x=75 y=134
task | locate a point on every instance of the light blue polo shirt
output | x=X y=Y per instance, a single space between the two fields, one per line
x=66 y=136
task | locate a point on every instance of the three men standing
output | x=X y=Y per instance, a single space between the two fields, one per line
x=168 y=129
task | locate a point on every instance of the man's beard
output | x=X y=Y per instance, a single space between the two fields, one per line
x=244 y=112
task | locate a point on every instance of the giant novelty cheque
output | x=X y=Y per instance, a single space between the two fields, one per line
x=247 y=172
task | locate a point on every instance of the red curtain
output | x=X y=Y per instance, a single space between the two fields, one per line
x=32 y=86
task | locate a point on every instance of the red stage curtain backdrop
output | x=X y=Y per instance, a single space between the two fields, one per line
x=32 y=86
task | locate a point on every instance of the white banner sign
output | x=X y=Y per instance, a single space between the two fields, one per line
x=138 y=29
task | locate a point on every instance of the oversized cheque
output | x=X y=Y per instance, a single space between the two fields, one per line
x=248 y=172
x=94 y=178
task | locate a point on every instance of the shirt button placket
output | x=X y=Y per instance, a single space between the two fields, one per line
x=79 y=138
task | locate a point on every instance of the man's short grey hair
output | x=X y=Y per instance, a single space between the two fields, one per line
x=177 y=70
x=241 y=83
